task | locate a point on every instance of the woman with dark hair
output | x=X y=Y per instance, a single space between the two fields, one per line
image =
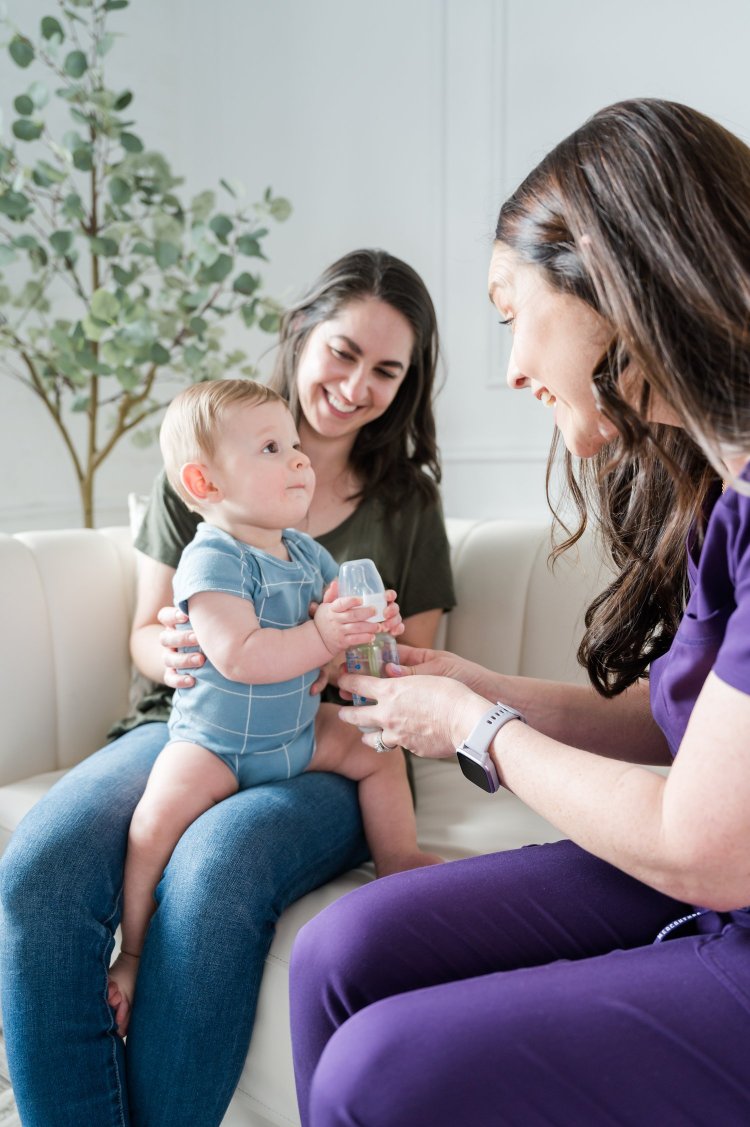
x=603 y=979
x=358 y=356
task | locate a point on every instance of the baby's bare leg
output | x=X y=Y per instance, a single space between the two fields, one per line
x=186 y=780
x=384 y=795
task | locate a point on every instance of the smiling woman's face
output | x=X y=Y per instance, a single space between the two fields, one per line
x=557 y=342
x=352 y=367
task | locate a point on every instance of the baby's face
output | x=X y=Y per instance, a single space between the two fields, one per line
x=266 y=481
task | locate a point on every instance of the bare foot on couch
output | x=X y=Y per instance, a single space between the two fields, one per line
x=122 y=976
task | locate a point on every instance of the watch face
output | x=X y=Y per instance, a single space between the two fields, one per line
x=477 y=774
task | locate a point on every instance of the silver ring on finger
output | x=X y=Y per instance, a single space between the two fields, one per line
x=381 y=745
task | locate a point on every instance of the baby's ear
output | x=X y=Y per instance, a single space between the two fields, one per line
x=195 y=481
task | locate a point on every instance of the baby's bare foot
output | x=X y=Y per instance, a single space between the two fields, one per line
x=121 y=988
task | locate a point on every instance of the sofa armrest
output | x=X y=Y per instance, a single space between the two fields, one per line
x=66 y=611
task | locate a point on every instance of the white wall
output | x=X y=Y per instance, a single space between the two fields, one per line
x=400 y=123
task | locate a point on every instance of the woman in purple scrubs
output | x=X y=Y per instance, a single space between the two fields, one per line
x=604 y=979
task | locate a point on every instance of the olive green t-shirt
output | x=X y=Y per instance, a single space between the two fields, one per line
x=409 y=547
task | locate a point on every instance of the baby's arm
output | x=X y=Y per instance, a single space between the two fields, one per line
x=233 y=640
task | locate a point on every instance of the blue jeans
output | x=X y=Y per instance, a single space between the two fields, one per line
x=231 y=875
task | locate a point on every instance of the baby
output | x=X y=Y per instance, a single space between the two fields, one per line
x=231 y=450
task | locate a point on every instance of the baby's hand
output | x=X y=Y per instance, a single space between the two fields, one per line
x=393 y=623
x=343 y=623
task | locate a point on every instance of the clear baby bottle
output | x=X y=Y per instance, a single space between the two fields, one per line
x=361 y=578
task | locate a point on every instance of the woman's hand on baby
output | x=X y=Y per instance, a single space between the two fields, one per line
x=172 y=639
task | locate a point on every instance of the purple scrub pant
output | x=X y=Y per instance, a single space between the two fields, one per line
x=521 y=988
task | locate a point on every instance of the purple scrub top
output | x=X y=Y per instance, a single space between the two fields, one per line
x=714 y=633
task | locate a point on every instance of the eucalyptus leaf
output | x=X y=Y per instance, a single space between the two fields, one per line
x=168 y=228
x=82 y=159
x=249 y=245
x=220 y=269
x=159 y=354
x=51 y=27
x=45 y=174
x=23 y=105
x=112 y=352
x=86 y=119
x=105 y=45
x=21 y=51
x=39 y=94
x=81 y=403
x=38 y=257
x=270 y=322
x=75 y=64
x=103 y=246
x=61 y=241
x=138 y=333
x=166 y=254
x=15 y=205
x=128 y=378
x=131 y=143
x=88 y=359
x=197 y=325
x=27 y=130
x=123 y=101
x=123 y=277
x=119 y=190
x=104 y=306
x=280 y=209
x=245 y=284
x=73 y=140
x=202 y=205
x=93 y=328
x=193 y=357
x=205 y=248
x=32 y=297
x=248 y=313
x=73 y=206
x=222 y=226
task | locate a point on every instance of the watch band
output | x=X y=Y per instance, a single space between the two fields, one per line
x=473 y=756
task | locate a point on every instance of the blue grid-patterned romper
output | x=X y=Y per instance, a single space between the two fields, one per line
x=262 y=732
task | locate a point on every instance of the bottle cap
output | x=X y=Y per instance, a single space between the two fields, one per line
x=361 y=578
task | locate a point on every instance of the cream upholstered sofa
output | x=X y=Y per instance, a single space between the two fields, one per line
x=65 y=605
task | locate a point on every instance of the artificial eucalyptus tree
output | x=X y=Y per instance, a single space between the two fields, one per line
x=111 y=286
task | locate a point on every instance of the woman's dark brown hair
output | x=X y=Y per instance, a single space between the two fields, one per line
x=644 y=213
x=390 y=453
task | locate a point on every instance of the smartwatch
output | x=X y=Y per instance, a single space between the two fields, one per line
x=473 y=757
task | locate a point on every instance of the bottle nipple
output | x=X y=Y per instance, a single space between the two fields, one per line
x=361 y=578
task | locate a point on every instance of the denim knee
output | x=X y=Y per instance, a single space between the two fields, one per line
x=21 y=883
x=41 y=879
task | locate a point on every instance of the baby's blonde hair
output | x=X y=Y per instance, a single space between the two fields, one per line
x=192 y=424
